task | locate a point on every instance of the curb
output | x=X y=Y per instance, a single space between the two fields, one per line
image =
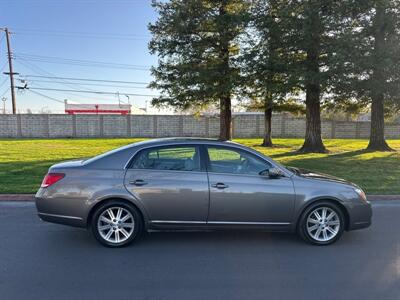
x=31 y=197
x=17 y=197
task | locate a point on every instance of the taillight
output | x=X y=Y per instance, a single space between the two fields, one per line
x=51 y=178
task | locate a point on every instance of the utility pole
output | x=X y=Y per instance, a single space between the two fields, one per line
x=11 y=73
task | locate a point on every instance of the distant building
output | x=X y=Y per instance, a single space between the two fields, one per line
x=121 y=109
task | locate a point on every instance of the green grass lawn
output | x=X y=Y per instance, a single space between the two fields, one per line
x=23 y=163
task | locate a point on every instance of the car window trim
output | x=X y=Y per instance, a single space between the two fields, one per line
x=177 y=145
x=237 y=149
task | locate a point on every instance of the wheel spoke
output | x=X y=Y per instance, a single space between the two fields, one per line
x=127 y=225
x=117 y=239
x=331 y=230
x=318 y=233
x=104 y=219
x=323 y=213
x=312 y=228
x=126 y=217
x=317 y=215
x=108 y=235
x=311 y=220
x=334 y=222
x=330 y=216
x=119 y=213
x=324 y=234
x=104 y=227
x=111 y=213
x=124 y=232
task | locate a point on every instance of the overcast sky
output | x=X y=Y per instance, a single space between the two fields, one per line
x=44 y=31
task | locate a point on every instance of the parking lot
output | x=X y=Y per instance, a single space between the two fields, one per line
x=48 y=261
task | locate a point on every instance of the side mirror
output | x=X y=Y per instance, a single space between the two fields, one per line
x=272 y=173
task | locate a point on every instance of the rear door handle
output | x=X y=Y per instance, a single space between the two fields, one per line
x=138 y=182
x=220 y=185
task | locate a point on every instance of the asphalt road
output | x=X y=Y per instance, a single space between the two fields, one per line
x=48 y=261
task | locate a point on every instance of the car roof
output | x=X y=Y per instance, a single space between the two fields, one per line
x=183 y=140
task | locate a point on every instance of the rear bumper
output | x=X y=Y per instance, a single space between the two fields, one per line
x=61 y=219
x=59 y=210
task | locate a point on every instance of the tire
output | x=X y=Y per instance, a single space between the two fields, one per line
x=315 y=230
x=116 y=224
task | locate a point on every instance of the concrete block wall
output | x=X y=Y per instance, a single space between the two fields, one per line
x=61 y=126
x=244 y=126
x=8 y=126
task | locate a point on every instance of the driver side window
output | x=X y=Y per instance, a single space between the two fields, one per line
x=235 y=161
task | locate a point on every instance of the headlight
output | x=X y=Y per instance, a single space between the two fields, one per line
x=361 y=194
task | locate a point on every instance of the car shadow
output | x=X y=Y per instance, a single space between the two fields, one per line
x=189 y=240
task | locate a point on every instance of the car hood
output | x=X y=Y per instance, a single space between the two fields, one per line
x=68 y=164
x=320 y=176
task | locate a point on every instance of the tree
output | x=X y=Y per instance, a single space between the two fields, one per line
x=372 y=72
x=197 y=42
x=311 y=31
x=265 y=63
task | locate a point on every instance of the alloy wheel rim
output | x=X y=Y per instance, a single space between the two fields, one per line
x=323 y=224
x=116 y=224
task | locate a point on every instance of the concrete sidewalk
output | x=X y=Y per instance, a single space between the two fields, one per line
x=30 y=197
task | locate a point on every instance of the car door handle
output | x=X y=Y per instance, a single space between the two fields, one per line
x=220 y=185
x=138 y=182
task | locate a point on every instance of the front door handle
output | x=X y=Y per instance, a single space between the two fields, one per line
x=138 y=182
x=220 y=185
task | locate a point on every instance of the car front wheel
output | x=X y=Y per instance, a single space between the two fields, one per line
x=116 y=224
x=322 y=223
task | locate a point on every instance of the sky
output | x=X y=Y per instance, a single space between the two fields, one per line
x=52 y=37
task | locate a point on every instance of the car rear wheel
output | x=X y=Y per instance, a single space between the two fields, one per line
x=116 y=224
x=322 y=223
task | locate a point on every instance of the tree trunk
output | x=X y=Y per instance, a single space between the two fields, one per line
x=313 y=140
x=377 y=136
x=267 y=142
x=225 y=132
x=225 y=118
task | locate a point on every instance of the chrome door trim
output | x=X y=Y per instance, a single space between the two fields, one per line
x=178 y=222
x=219 y=222
x=248 y=223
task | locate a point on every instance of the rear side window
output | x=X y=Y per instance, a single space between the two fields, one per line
x=168 y=158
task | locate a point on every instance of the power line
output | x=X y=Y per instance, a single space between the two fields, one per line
x=85 y=91
x=5 y=92
x=88 y=79
x=82 y=34
x=87 y=84
x=19 y=33
x=79 y=62
x=45 y=96
x=3 y=67
x=3 y=82
x=39 y=70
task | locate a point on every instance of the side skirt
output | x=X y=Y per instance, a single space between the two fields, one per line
x=219 y=225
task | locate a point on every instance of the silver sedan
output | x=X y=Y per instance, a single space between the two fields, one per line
x=197 y=184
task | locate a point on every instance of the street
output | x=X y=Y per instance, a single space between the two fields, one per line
x=48 y=261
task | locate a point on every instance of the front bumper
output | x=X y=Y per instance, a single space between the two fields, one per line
x=360 y=215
